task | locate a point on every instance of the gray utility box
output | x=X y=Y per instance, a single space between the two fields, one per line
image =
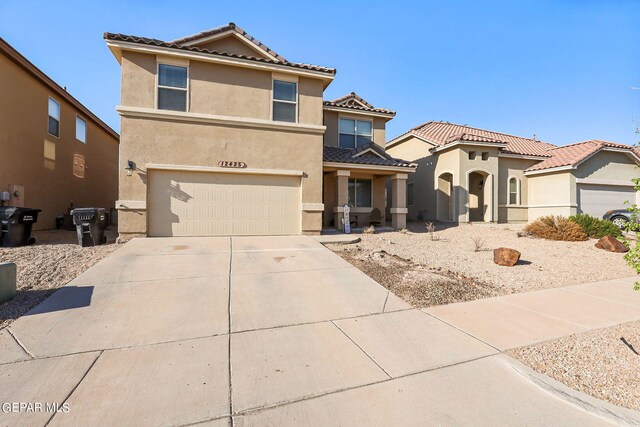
x=7 y=281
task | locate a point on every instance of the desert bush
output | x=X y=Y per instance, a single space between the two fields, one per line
x=478 y=243
x=431 y=229
x=554 y=227
x=369 y=230
x=595 y=227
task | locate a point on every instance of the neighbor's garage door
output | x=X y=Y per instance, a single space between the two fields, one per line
x=222 y=204
x=596 y=200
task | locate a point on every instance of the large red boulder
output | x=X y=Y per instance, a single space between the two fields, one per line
x=506 y=257
x=611 y=244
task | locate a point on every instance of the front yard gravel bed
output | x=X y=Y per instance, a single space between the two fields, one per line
x=53 y=261
x=598 y=362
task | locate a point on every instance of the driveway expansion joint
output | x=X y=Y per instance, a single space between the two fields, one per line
x=361 y=349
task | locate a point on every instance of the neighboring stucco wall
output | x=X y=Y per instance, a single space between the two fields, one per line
x=510 y=167
x=448 y=162
x=217 y=90
x=551 y=194
x=417 y=151
x=610 y=166
x=51 y=183
x=331 y=120
x=490 y=167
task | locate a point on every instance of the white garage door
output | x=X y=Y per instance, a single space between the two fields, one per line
x=596 y=200
x=222 y=204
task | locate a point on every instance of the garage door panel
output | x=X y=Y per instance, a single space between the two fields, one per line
x=596 y=200
x=210 y=204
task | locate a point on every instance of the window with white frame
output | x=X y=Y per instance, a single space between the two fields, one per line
x=359 y=193
x=172 y=87
x=355 y=133
x=54 y=118
x=514 y=191
x=411 y=196
x=285 y=101
x=81 y=130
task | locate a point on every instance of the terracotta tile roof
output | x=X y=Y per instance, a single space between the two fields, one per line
x=442 y=133
x=350 y=155
x=229 y=27
x=354 y=102
x=160 y=43
x=571 y=155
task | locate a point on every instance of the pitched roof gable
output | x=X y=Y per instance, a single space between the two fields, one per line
x=444 y=133
x=355 y=102
x=230 y=29
x=160 y=43
x=574 y=154
x=359 y=156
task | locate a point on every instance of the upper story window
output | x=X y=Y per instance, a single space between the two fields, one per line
x=172 y=87
x=354 y=133
x=81 y=130
x=514 y=191
x=285 y=101
x=54 y=118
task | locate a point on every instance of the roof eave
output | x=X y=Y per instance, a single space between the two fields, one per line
x=337 y=108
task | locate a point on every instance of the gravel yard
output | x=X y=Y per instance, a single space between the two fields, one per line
x=54 y=260
x=598 y=362
x=445 y=267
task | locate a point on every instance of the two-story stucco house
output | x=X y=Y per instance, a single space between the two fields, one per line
x=467 y=174
x=221 y=135
x=54 y=152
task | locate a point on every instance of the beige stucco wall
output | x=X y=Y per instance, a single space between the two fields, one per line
x=50 y=183
x=331 y=120
x=217 y=90
x=610 y=166
x=417 y=151
x=551 y=194
x=510 y=167
x=231 y=44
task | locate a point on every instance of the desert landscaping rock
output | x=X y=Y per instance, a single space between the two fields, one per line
x=451 y=255
x=603 y=363
x=611 y=244
x=52 y=262
x=506 y=257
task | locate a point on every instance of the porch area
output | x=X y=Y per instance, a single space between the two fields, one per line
x=371 y=183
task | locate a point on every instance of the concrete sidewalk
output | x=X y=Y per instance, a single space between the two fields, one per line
x=519 y=320
x=261 y=331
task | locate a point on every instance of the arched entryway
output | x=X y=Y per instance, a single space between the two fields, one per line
x=479 y=201
x=444 y=197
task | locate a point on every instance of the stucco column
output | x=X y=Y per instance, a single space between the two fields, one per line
x=342 y=196
x=399 y=200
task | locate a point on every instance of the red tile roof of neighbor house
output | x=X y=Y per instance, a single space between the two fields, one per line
x=551 y=156
x=173 y=45
x=354 y=102
x=223 y=29
x=443 y=133
x=572 y=155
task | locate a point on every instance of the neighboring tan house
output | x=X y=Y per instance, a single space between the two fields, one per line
x=220 y=135
x=466 y=174
x=54 y=152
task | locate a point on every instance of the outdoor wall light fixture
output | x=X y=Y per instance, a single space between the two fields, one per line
x=130 y=167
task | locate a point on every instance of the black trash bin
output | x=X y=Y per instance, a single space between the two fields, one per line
x=16 y=224
x=90 y=225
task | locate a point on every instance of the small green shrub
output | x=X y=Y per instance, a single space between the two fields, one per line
x=554 y=227
x=596 y=227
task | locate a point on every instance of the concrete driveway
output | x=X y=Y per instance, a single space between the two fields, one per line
x=265 y=330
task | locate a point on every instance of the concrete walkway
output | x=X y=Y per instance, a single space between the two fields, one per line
x=519 y=320
x=260 y=331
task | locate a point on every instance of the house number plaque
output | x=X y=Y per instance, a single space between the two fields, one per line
x=228 y=164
